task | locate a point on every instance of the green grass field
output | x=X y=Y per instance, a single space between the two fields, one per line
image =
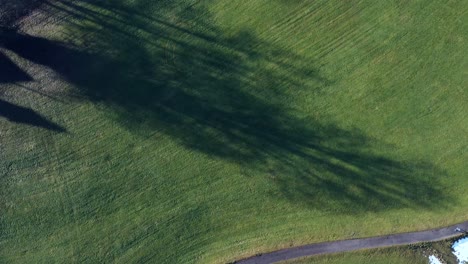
x=207 y=131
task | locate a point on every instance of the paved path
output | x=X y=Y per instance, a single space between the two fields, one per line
x=355 y=244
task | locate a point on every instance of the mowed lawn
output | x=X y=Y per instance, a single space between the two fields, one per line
x=207 y=131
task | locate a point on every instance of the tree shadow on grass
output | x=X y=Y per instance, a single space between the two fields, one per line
x=230 y=96
x=23 y=115
x=12 y=10
x=10 y=72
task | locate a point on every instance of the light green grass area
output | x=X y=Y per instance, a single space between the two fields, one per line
x=208 y=131
x=399 y=255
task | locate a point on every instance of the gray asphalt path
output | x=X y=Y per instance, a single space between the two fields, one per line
x=356 y=244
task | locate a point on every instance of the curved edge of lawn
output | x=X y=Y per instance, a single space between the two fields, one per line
x=430 y=235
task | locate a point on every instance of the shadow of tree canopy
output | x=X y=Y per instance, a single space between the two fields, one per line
x=165 y=66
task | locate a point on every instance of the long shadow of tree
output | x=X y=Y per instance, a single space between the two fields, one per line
x=167 y=67
x=11 y=73
x=19 y=114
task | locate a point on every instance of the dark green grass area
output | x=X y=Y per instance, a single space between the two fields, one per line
x=188 y=131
